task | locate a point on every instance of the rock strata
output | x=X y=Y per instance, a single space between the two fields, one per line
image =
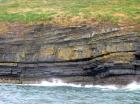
x=87 y=54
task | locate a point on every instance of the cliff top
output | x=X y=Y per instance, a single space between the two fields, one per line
x=67 y=12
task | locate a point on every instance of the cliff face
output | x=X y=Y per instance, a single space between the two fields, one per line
x=80 y=54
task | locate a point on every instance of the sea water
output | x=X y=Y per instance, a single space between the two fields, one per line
x=58 y=92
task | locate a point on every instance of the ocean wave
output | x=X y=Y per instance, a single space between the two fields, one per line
x=132 y=86
x=58 y=83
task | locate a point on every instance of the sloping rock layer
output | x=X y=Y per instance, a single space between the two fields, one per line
x=81 y=54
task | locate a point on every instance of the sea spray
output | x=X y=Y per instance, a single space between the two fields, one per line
x=133 y=86
x=58 y=83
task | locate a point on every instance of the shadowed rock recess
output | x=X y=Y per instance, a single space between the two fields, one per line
x=87 y=54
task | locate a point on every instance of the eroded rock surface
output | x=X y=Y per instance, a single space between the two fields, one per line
x=80 y=54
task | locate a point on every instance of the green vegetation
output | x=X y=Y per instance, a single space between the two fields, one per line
x=31 y=11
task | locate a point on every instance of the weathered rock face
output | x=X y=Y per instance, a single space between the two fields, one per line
x=82 y=54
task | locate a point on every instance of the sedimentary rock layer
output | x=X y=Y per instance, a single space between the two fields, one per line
x=80 y=54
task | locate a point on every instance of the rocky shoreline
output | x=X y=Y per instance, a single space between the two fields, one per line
x=87 y=54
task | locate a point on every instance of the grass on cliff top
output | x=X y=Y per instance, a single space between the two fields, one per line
x=69 y=11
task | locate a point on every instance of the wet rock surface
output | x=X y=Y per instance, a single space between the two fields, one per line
x=79 y=54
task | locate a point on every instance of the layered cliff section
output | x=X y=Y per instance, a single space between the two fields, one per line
x=78 y=54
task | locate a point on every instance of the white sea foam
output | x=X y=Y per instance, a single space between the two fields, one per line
x=106 y=87
x=133 y=86
x=54 y=83
x=57 y=82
